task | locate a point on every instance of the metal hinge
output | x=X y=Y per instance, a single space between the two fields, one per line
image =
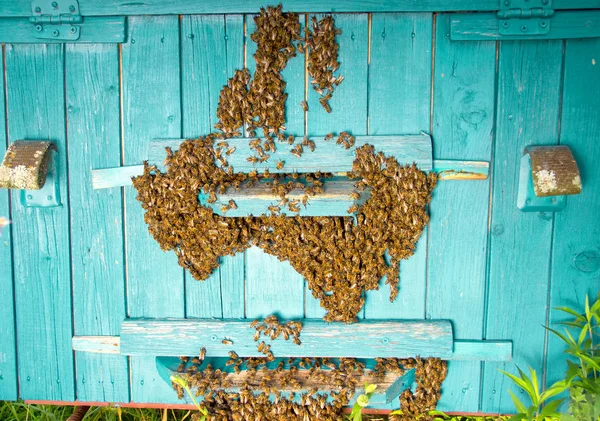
x=525 y=17
x=55 y=19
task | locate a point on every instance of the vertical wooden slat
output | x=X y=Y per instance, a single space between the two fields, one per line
x=349 y=101
x=527 y=114
x=93 y=122
x=399 y=103
x=576 y=254
x=463 y=119
x=273 y=286
x=151 y=109
x=35 y=77
x=212 y=47
x=8 y=351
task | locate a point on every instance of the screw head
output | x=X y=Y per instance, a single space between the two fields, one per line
x=39 y=28
x=544 y=2
x=524 y=28
x=71 y=8
x=73 y=29
x=55 y=32
x=29 y=197
x=507 y=2
x=49 y=197
x=543 y=23
x=38 y=9
x=55 y=5
x=505 y=24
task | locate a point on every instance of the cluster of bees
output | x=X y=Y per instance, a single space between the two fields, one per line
x=304 y=388
x=271 y=328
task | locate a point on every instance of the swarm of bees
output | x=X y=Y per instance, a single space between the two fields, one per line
x=340 y=257
x=304 y=388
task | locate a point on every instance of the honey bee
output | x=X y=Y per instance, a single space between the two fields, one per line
x=354 y=195
x=232 y=204
x=227 y=342
x=230 y=150
x=252 y=159
x=202 y=354
x=304 y=105
x=328 y=136
x=297 y=151
x=280 y=165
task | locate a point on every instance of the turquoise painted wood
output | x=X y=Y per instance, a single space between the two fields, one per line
x=151 y=108
x=383 y=338
x=280 y=289
x=463 y=115
x=97 y=249
x=94 y=30
x=563 y=25
x=575 y=266
x=42 y=274
x=399 y=102
x=159 y=7
x=520 y=243
x=349 y=101
x=212 y=48
x=8 y=346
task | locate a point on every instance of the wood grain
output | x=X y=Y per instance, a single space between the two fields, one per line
x=366 y=339
x=212 y=47
x=527 y=114
x=575 y=266
x=97 y=254
x=35 y=96
x=399 y=102
x=463 y=119
x=8 y=345
x=151 y=108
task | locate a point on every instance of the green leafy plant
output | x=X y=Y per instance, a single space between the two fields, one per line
x=184 y=384
x=361 y=402
x=437 y=415
x=582 y=378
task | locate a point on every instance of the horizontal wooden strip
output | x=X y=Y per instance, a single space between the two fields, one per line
x=461 y=170
x=161 y=7
x=327 y=156
x=93 y=30
x=255 y=200
x=563 y=25
x=448 y=169
x=463 y=350
x=367 y=339
x=97 y=344
x=482 y=350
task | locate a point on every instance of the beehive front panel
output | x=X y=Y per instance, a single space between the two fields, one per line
x=463 y=120
x=97 y=243
x=212 y=47
x=399 y=102
x=575 y=263
x=41 y=259
x=151 y=109
x=529 y=84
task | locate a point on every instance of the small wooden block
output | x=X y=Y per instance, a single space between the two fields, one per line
x=256 y=200
x=554 y=171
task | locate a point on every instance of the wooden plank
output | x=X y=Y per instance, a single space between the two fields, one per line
x=462 y=350
x=160 y=7
x=273 y=286
x=575 y=266
x=8 y=351
x=255 y=200
x=368 y=339
x=563 y=25
x=35 y=96
x=93 y=30
x=93 y=125
x=212 y=48
x=527 y=114
x=115 y=177
x=476 y=351
x=151 y=108
x=399 y=102
x=97 y=344
x=348 y=104
x=463 y=116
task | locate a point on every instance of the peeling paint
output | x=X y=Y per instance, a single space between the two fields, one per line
x=545 y=181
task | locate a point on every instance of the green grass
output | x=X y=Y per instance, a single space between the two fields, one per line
x=19 y=411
